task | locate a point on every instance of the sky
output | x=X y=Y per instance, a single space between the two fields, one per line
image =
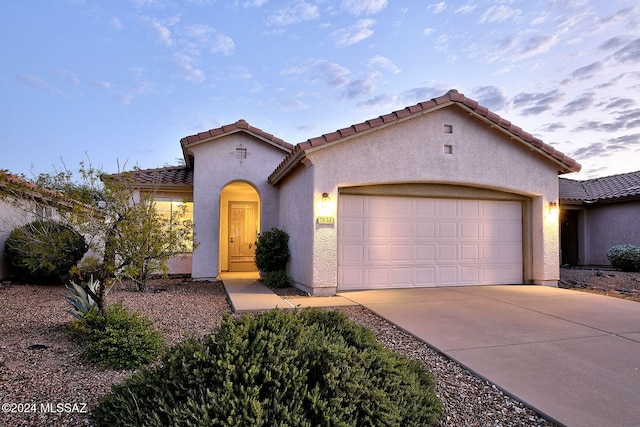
x=119 y=83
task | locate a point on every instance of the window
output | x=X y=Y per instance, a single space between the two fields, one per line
x=171 y=207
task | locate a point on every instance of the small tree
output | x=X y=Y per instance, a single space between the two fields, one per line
x=272 y=250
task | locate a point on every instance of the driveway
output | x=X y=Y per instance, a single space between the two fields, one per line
x=573 y=356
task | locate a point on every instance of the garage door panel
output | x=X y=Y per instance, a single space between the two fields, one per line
x=377 y=229
x=405 y=242
x=402 y=229
x=447 y=230
x=377 y=254
x=402 y=253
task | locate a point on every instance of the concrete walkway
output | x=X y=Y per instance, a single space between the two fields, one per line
x=248 y=294
x=573 y=356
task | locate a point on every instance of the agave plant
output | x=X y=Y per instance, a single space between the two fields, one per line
x=80 y=300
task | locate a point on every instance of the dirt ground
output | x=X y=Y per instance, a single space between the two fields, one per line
x=606 y=282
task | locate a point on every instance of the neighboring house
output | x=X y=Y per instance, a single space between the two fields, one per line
x=440 y=193
x=19 y=205
x=596 y=214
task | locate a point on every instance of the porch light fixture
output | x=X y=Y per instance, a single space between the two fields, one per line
x=553 y=208
x=325 y=200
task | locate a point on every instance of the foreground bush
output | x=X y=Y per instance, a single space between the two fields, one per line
x=43 y=251
x=625 y=257
x=309 y=368
x=118 y=340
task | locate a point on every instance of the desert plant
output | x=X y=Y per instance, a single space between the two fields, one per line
x=277 y=279
x=44 y=251
x=303 y=368
x=625 y=257
x=119 y=339
x=80 y=298
x=272 y=250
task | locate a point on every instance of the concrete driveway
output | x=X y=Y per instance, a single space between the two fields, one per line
x=573 y=356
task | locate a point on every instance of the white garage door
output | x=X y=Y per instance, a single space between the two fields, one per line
x=399 y=242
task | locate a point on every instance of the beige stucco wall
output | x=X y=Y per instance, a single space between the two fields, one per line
x=296 y=210
x=215 y=166
x=413 y=151
x=608 y=225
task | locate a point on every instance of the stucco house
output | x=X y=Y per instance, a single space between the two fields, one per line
x=596 y=214
x=443 y=192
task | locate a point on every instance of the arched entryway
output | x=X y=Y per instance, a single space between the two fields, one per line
x=239 y=226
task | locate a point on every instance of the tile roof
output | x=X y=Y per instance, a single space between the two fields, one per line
x=566 y=163
x=239 y=126
x=17 y=187
x=172 y=176
x=613 y=187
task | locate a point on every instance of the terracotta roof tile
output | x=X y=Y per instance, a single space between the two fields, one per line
x=607 y=188
x=453 y=96
x=174 y=176
x=240 y=125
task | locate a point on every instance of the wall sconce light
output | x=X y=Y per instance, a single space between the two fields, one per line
x=553 y=208
x=325 y=200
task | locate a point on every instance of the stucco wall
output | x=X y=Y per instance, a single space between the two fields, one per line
x=296 y=208
x=414 y=152
x=215 y=166
x=609 y=225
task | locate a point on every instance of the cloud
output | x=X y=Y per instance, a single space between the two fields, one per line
x=217 y=42
x=184 y=64
x=353 y=34
x=382 y=102
x=535 y=103
x=428 y=31
x=330 y=73
x=116 y=24
x=499 y=13
x=161 y=33
x=552 y=127
x=467 y=8
x=612 y=43
x=101 y=84
x=629 y=53
x=361 y=87
x=581 y=103
x=223 y=44
x=40 y=84
x=368 y=7
x=585 y=72
x=620 y=103
x=437 y=7
x=293 y=13
x=492 y=97
x=384 y=63
x=536 y=45
x=253 y=3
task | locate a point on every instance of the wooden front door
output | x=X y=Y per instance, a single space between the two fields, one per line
x=242 y=235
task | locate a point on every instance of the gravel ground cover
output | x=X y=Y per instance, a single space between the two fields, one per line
x=44 y=382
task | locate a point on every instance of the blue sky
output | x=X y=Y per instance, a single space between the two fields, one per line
x=121 y=82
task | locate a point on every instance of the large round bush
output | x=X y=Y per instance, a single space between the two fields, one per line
x=308 y=368
x=44 y=251
x=625 y=257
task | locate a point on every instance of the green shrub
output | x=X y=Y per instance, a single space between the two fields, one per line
x=625 y=257
x=44 y=251
x=272 y=250
x=277 y=279
x=118 y=340
x=305 y=368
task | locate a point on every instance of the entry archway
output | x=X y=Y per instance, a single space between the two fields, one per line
x=239 y=226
